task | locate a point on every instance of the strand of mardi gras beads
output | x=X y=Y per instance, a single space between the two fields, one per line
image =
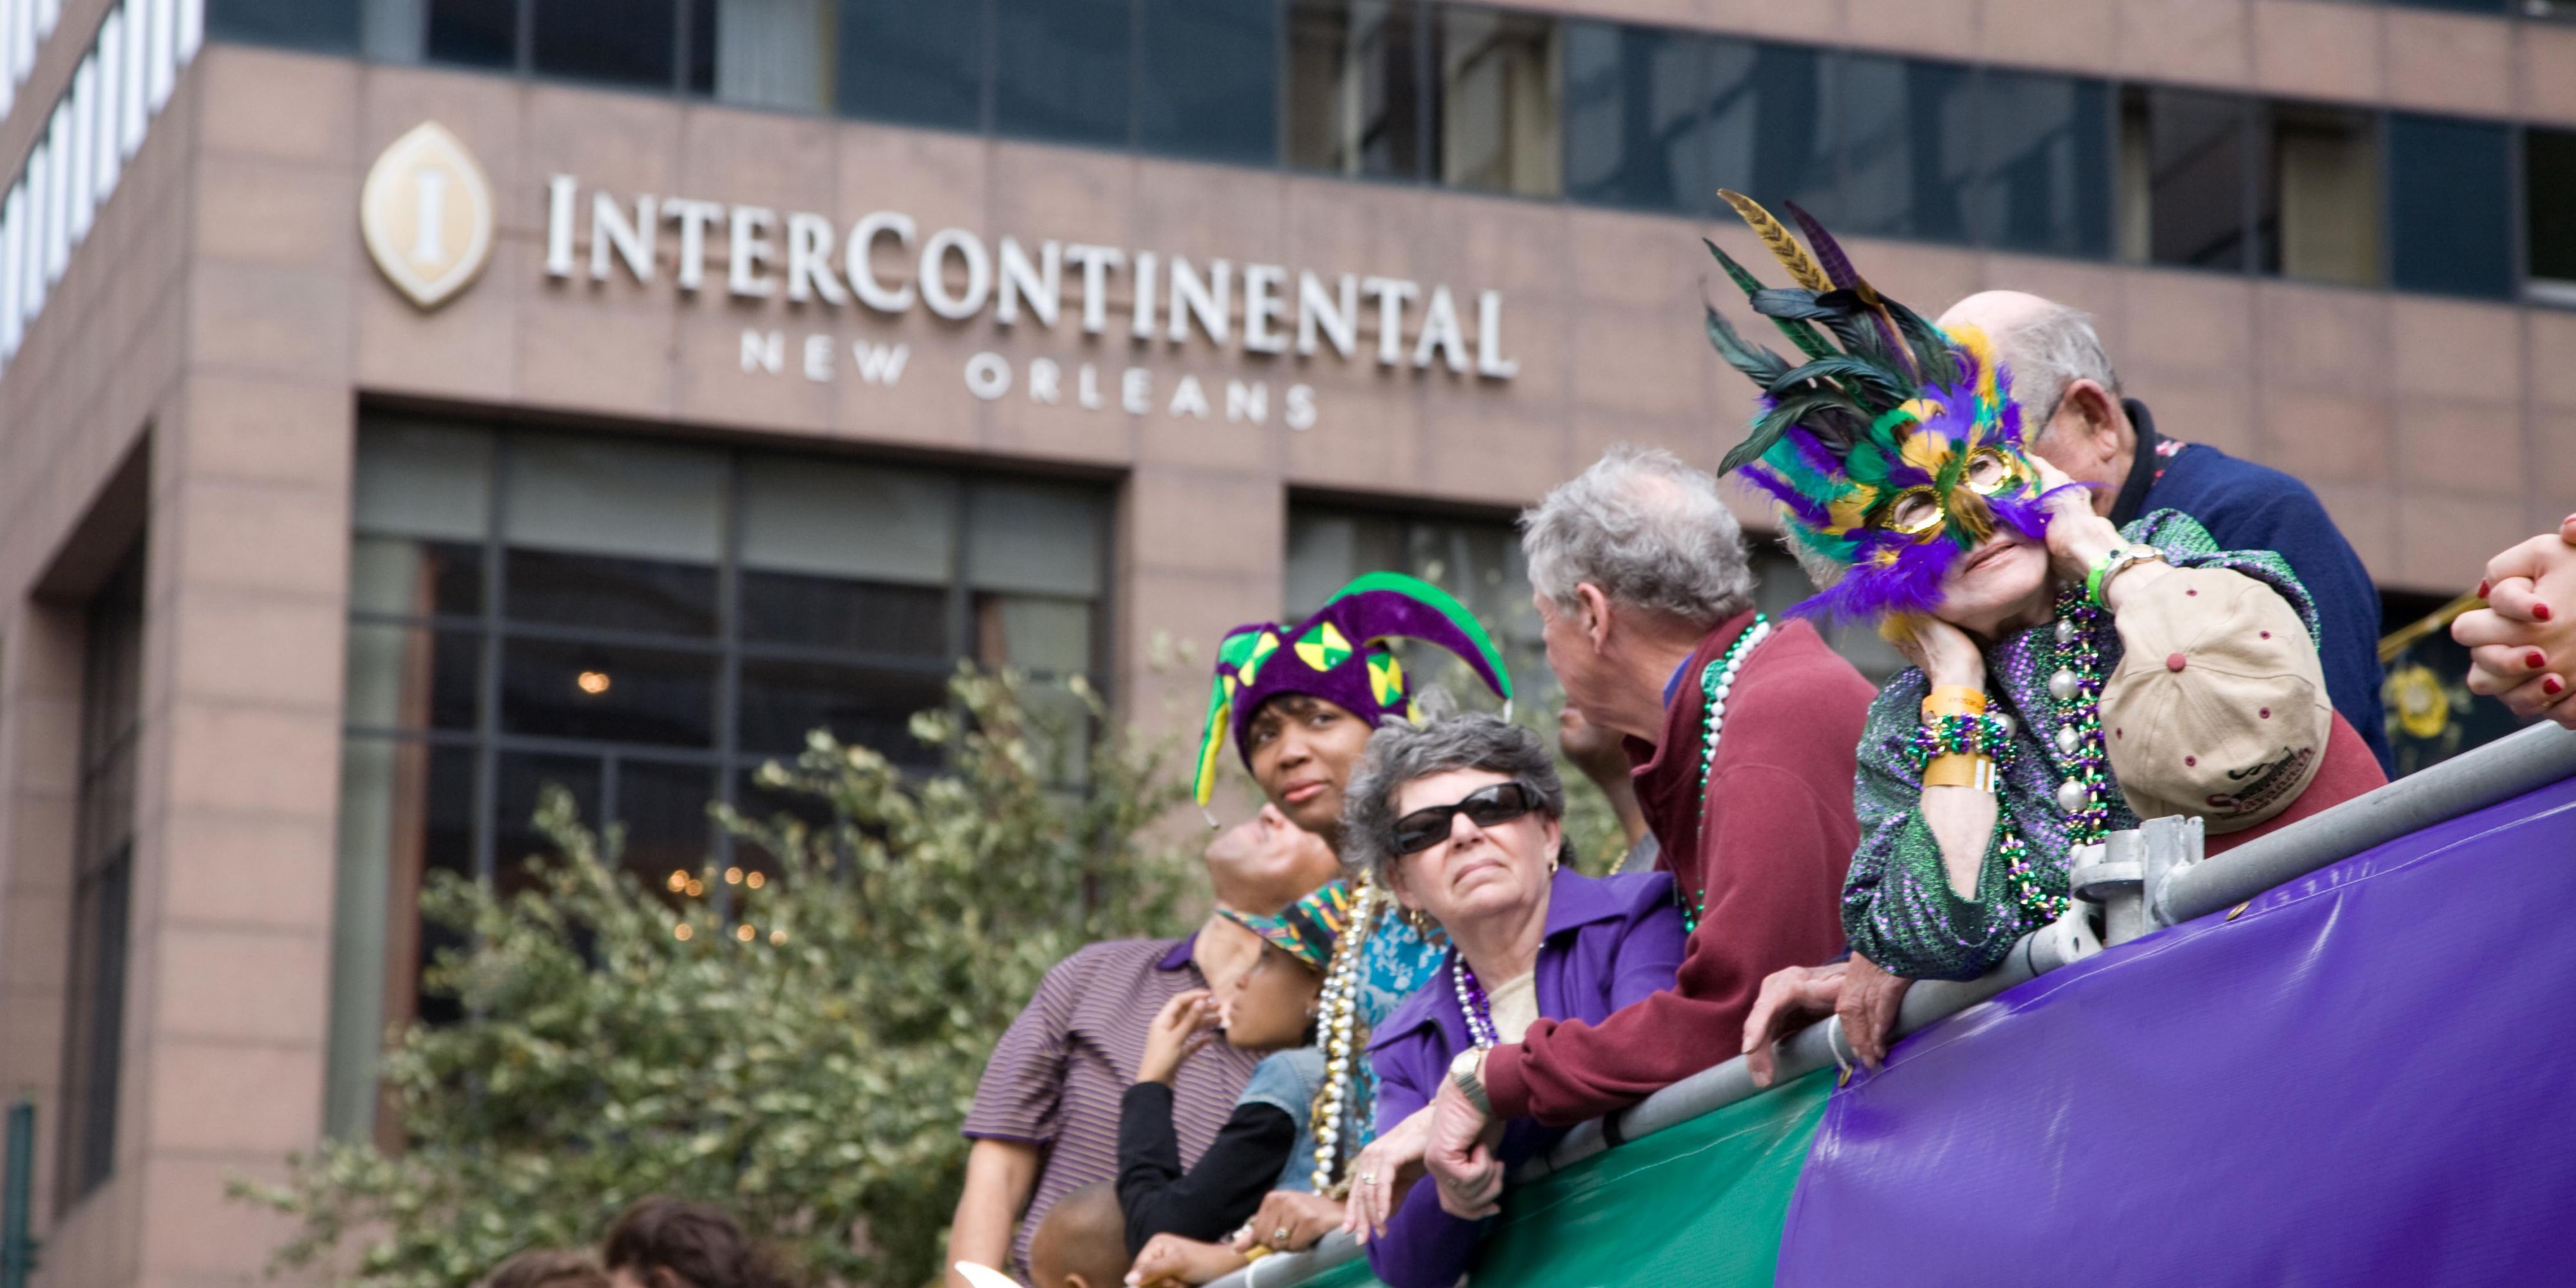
x=1339 y=1006
x=1717 y=684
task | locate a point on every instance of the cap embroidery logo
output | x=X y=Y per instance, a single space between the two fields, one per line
x=2261 y=783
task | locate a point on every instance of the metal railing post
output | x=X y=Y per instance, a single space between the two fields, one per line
x=17 y=1196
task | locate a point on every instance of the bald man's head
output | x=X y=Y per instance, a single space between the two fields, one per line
x=1083 y=1241
x=2069 y=394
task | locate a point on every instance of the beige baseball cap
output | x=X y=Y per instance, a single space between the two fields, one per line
x=2219 y=707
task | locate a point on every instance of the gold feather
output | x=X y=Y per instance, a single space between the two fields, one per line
x=1776 y=238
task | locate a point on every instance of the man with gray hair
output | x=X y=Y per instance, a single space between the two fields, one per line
x=1743 y=733
x=2071 y=396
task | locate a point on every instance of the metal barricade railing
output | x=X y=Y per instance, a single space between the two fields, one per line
x=2144 y=880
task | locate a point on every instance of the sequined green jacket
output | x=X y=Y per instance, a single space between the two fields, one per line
x=1898 y=908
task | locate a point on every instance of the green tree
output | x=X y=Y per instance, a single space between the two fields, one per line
x=800 y=1050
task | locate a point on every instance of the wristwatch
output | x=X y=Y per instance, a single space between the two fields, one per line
x=2112 y=564
x=1467 y=1073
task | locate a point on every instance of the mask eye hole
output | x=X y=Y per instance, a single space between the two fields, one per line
x=1914 y=512
x=1992 y=471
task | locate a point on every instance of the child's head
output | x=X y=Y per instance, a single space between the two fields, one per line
x=548 y=1268
x=1272 y=1006
x=673 y=1243
x=1082 y=1243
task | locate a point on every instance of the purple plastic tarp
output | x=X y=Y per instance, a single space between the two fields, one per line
x=2363 y=1079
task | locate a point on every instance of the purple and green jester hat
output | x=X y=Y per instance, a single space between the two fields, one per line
x=1340 y=656
x=1894 y=449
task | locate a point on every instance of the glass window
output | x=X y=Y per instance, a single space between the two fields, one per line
x=763 y=53
x=2450 y=185
x=1355 y=88
x=2459 y=6
x=1775 y=127
x=1636 y=117
x=1500 y=101
x=919 y=64
x=1061 y=69
x=656 y=620
x=2184 y=173
x=1207 y=83
x=473 y=33
x=2549 y=182
x=1909 y=134
x=617 y=42
x=2044 y=176
x=102 y=878
x=2316 y=213
x=327 y=25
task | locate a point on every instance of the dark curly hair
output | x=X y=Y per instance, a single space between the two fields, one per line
x=673 y=1243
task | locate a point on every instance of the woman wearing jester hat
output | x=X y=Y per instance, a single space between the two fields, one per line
x=2069 y=678
x=1301 y=702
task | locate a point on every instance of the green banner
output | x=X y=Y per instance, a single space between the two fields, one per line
x=1700 y=1205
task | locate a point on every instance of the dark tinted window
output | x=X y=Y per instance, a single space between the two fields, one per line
x=1636 y=117
x=618 y=42
x=2550 y=181
x=921 y=64
x=1208 y=83
x=2044 y=173
x=600 y=592
x=2316 y=195
x=474 y=33
x=2185 y=174
x=1061 y=69
x=2449 y=188
x=327 y=25
x=608 y=692
x=2459 y=6
x=1355 y=87
x=1496 y=117
x=1774 y=126
x=1909 y=133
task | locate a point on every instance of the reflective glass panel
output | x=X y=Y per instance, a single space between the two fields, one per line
x=608 y=693
x=473 y=33
x=782 y=701
x=327 y=25
x=2185 y=167
x=1500 y=101
x=1909 y=134
x=2549 y=170
x=415 y=578
x=921 y=64
x=2450 y=186
x=601 y=593
x=411 y=677
x=2317 y=203
x=1208 y=85
x=617 y=42
x=763 y=53
x=849 y=616
x=1636 y=117
x=1355 y=91
x=1774 y=126
x=1061 y=69
x=2044 y=176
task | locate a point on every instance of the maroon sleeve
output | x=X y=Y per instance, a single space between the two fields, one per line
x=1775 y=860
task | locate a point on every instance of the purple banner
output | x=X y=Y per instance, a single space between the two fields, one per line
x=2362 y=1079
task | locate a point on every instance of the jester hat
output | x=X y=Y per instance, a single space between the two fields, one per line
x=1340 y=656
x=1306 y=929
x=1894 y=448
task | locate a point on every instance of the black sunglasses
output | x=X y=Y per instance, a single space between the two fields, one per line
x=1485 y=807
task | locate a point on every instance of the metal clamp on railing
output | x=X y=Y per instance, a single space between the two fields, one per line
x=2118 y=873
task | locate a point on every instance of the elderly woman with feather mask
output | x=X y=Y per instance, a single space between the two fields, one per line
x=2069 y=679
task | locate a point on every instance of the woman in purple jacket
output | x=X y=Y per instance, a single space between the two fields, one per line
x=1459 y=817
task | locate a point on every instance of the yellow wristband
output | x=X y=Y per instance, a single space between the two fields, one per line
x=1960 y=769
x=1953 y=700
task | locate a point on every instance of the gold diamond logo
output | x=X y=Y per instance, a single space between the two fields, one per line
x=426 y=211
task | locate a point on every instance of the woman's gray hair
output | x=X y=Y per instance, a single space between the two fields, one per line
x=2052 y=350
x=1650 y=531
x=1401 y=751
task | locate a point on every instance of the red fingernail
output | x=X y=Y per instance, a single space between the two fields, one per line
x=2540 y=611
x=2549 y=684
x=2535 y=659
x=2482 y=590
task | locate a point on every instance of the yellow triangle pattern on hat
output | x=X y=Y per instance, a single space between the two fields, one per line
x=1324 y=647
x=1261 y=650
x=1386 y=678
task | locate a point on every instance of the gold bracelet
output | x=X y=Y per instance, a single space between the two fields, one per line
x=1960 y=769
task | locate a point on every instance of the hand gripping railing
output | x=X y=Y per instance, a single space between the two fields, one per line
x=2145 y=879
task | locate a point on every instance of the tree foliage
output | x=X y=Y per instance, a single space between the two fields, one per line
x=799 y=1048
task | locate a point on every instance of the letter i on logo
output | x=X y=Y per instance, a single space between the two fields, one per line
x=426 y=212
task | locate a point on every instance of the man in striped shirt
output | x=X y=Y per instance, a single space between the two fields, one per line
x=1045 y=1120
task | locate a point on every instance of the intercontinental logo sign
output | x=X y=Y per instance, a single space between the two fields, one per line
x=427 y=215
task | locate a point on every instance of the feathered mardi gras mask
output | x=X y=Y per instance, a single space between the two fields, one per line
x=1892 y=455
x=1339 y=655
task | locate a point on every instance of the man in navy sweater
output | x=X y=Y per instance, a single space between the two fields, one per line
x=2067 y=388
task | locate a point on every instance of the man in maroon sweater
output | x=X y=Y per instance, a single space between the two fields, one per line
x=1641 y=580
